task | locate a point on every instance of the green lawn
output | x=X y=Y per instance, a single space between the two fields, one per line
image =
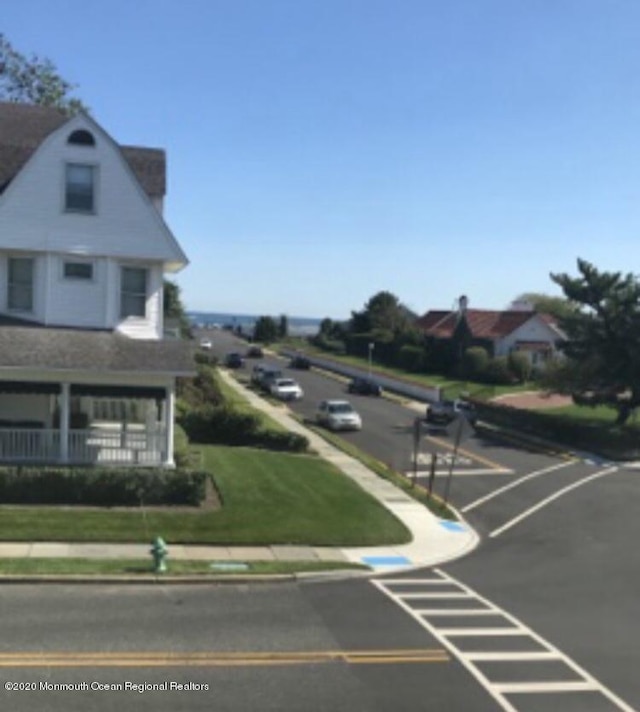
x=452 y=388
x=135 y=567
x=267 y=498
x=238 y=401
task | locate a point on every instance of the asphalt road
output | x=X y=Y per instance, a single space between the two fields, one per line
x=283 y=648
x=557 y=566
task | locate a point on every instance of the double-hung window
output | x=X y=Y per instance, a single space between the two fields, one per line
x=80 y=188
x=20 y=284
x=133 y=292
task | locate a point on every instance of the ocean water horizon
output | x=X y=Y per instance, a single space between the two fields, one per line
x=298 y=325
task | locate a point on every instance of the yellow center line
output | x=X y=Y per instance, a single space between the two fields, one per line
x=217 y=659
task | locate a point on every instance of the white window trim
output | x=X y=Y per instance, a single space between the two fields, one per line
x=14 y=310
x=77 y=260
x=96 y=180
x=134 y=317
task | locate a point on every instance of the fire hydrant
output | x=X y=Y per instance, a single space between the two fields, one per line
x=159 y=552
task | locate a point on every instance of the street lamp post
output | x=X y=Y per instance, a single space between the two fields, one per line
x=371 y=345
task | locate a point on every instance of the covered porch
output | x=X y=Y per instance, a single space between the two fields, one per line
x=86 y=424
x=79 y=397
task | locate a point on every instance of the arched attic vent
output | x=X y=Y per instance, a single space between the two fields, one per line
x=81 y=137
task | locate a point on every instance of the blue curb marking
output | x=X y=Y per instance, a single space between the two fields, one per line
x=453 y=526
x=386 y=561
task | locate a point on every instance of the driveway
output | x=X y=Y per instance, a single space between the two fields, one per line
x=534 y=400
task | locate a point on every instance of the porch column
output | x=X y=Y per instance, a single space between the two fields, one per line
x=64 y=421
x=169 y=412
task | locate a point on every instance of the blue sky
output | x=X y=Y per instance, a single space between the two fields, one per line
x=320 y=151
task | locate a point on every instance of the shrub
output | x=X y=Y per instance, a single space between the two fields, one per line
x=520 y=366
x=220 y=425
x=274 y=440
x=474 y=362
x=497 y=371
x=180 y=447
x=411 y=358
x=101 y=486
x=227 y=426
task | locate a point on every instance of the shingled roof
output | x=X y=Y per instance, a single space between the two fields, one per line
x=23 y=127
x=482 y=323
x=103 y=352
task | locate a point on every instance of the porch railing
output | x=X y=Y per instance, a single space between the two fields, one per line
x=100 y=445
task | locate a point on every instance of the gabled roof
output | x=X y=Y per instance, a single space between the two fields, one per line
x=100 y=352
x=482 y=323
x=23 y=127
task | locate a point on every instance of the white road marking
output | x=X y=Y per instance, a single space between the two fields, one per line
x=460 y=473
x=498 y=689
x=552 y=498
x=515 y=483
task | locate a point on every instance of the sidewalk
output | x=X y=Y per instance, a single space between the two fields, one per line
x=435 y=540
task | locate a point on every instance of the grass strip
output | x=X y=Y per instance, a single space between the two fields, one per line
x=419 y=493
x=451 y=387
x=137 y=567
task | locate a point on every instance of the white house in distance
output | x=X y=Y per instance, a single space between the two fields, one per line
x=519 y=328
x=85 y=373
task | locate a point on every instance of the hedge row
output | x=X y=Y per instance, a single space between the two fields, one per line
x=608 y=441
x=101 y=487
x=222 y=425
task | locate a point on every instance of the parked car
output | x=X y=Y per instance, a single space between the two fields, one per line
x=444 y=412
x=206 y=344
x=300 y=362
x=255 y=352
x=269 y=375
x=338 y=415
x=286 y=389
x=233 y=360
x=365 y=387
x=256 y=373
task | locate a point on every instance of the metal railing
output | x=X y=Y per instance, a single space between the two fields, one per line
x=101 y=445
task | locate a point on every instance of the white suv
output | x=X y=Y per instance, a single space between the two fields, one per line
x=286 y=389
x=338 y=415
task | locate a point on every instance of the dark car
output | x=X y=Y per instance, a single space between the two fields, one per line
x=300 y=362
x=268 y=376
x=445 y=412
x=364 y=387
x=233 y=360
x=254 y=352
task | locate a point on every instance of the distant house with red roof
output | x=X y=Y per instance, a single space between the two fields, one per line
x=520 y=329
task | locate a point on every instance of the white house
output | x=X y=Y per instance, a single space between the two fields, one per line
x=85 y=374
x=519 y=328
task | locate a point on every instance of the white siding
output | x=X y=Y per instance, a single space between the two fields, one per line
x=532 y=330
x=126 y=228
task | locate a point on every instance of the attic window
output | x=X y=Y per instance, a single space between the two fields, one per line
x=81 y=138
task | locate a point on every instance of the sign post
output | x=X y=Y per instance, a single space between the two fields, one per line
x=417 y=432
x=462 y=429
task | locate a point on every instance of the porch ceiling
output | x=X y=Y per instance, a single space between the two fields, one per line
x=97 y=390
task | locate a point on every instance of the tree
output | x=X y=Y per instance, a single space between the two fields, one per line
x=559 y=307
x=603 y=346
x=383 y=312
x=32 y=80
x=265 y=330
x=283 y=326
x=173 y=308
